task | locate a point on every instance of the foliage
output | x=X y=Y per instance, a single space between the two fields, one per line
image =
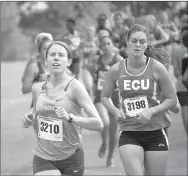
x=14 y=44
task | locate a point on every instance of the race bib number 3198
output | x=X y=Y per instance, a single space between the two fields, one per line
x=50 y=128
x=134 y=106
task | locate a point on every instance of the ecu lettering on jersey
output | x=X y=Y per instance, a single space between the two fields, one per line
x=143 y=84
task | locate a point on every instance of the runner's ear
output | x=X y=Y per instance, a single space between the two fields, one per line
x=69 y=62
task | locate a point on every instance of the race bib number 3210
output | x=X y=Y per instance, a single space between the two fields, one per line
x=134 y=106
x=50 y=128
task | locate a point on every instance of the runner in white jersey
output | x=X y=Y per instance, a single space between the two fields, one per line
x=141 y=81
x=57 y=117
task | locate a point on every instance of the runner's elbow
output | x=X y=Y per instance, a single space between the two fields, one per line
x=25 y=90
x=100 y=126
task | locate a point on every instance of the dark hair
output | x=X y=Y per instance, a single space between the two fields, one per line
x=150 y=51
x=61 y=44
x=129 y=21
x=162 y=56
x=71 y=20
x=184 y=27
x=184 y=37
x=118 y=14
x=102 y=17
x=137 y=28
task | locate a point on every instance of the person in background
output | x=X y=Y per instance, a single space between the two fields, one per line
x=73 y=38
x=88 y=48
x=119 y=30
x=57 y=117
x=157 y=36
x=101 y=64
x=102 y=22
x=35 y=69
x=180 y=64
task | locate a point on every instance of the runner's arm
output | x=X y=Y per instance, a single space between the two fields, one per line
x=35 y=89
x=167 y=89
x=176 y=109
x=93 y=122
x=108 y=88
x=164 y=37
x=28 y=77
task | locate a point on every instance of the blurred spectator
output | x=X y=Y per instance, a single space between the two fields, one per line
x=169 y=27
x=88 y=49
x=128 y=11
x=129 y=21
x=102 y=23
x=119 y=30
x=184 y=19
x=157 y=35
x=73 y=39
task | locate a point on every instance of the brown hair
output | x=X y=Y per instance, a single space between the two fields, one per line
x=137 y=28
x=61 y=44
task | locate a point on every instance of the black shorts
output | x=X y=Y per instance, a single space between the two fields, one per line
x=150 y=140
x=183 y=98
x=72 y=166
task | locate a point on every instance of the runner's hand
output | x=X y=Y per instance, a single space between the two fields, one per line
x=61 y=113
x=145 y=116
x=27 y=120
x=119 y=114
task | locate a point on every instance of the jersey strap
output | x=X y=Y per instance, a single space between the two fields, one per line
x=68 y=85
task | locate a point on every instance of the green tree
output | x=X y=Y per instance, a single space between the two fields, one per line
x=15 y=45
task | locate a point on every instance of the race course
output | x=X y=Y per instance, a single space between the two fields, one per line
x=17 y=142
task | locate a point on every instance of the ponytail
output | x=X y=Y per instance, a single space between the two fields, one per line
x=150 y=51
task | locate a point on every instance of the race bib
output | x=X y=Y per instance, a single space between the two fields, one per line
x=50 y=128
x=100 y=84
x=134 y=106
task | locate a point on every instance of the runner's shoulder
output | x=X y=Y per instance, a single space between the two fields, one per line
x=76 y=87
x=115 y=68
x=158 y=68
x=118 y=58
x=37 y=86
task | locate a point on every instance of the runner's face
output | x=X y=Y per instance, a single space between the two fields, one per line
x=137 y=43
x=106 y=45
x=57 y=59
x=44 y=48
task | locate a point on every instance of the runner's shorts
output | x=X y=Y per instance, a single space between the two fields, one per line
x=72 y=166
x=150 y=140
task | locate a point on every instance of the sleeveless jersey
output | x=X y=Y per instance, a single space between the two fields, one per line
x=139 y=92
x=100 y=78
x=57 y=139
x=102 y=71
